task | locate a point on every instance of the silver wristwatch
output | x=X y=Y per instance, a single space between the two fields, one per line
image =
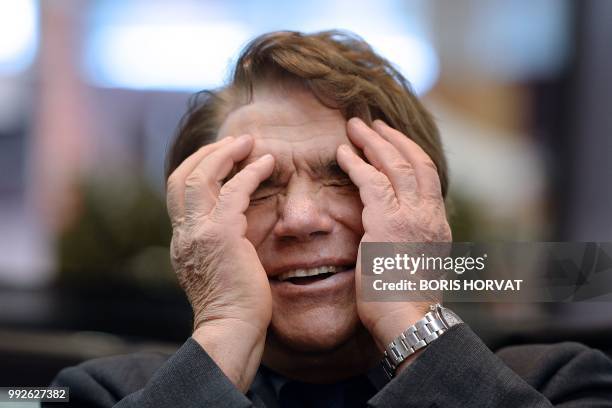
x=417 y=336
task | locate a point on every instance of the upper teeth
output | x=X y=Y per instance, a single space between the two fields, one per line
x=299 y=273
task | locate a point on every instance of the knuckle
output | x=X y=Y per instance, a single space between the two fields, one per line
x=383 y=191
x=432 y=196
x=225 y=198
x=380 y=182
x=402 y=166
x=427 y=162
x=194 y=180
x=181 y=251
x=228 y=190
x=430 y=190
x=217 y=216
x=214 y=185
x=211 y=230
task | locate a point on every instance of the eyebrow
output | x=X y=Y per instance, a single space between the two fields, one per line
x=275 y=179
x=329 y=169
x=325 y=168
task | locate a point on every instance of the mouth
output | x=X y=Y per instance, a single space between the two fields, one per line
x=305 y=276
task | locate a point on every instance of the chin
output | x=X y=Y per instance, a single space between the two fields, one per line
x=316 y=329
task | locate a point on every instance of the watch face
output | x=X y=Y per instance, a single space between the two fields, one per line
x=450 y=318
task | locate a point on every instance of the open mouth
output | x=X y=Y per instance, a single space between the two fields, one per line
x=311 y=275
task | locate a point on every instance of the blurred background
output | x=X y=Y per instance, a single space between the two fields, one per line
x=91 y=93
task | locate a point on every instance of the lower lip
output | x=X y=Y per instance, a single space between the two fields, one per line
x=328 y=286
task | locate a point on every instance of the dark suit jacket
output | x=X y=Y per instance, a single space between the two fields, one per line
x=457 y=370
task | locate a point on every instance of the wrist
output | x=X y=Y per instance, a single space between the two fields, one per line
x=236 y=347
x=390 y=326
x=401 y=350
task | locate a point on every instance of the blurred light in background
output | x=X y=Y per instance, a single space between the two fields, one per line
x=415 y=58
x=18 y=35
x=164 y=56
x=516 y=42
x=506 y=41
x=188 y=46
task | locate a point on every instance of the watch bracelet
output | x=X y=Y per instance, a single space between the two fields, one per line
x=414 y=338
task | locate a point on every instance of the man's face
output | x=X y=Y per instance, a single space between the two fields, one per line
x=305 y=219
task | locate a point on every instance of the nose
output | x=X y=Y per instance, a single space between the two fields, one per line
x=303 y=215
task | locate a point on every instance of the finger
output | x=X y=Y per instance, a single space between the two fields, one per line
x=384 y=156
x=374 y=186
x=204 y=182
x=427 y=176
x=235 y=195
x=175 y=186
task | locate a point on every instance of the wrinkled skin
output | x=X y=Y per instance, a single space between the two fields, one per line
x=329 y=185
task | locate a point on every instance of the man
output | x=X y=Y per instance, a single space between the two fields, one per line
x=315 y=146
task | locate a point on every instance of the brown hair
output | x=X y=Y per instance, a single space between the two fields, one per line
x=339 y=68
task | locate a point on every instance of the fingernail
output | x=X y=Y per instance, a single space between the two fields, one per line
x=243 y=138
x=357 y=121
x=266 y=156
x=344 y=148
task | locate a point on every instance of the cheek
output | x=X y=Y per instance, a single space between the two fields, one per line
x=260 y=221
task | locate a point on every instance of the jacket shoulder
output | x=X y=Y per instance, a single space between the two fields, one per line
x=112 y=378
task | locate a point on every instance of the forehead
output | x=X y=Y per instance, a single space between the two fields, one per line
x=288 y=122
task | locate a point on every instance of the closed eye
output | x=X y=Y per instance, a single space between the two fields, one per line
x=258 y=198
x=339 y=182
